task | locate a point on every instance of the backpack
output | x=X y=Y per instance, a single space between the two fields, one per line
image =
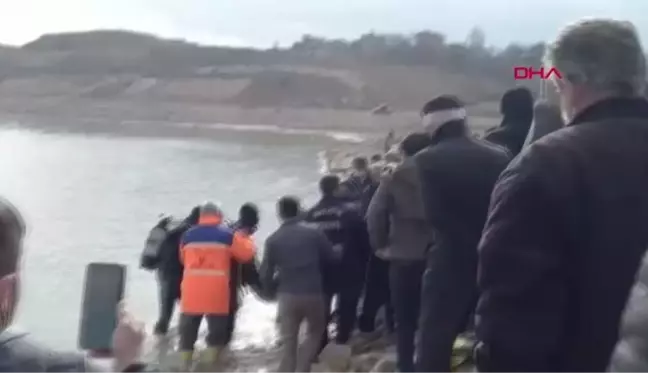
x=150 y=257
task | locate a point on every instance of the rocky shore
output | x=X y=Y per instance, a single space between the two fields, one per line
x=377 y=354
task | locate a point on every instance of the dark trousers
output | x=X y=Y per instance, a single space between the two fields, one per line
x=169 y=293
x=376 y=295
x=348 y=297
x=448 y=302
x=217 y=330
x=405 y=277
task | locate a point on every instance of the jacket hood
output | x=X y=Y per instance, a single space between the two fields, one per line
x=516 y=107
x=405 y=187
x=406 y=172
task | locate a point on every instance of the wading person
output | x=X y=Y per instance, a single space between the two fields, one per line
x=457 y=174
x=567 y=224
x=169 y=271
x=292 y=263
x=206 y=250
x=243 y=274
x=400 y=234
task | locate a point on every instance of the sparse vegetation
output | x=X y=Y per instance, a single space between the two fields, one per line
x=402 y=71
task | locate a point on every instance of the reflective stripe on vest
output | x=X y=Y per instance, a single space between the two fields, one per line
x=205 y=272
x=205 y=245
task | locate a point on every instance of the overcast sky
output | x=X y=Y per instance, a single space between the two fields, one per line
x=262 y=22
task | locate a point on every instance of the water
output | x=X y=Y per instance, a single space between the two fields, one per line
x=94 y=198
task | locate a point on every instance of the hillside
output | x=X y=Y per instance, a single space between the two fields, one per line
x=113 y=68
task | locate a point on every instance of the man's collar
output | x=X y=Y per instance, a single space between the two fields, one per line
x=618 y=107
x=291 y=221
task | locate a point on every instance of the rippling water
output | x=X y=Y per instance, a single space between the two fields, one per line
x=94 y=198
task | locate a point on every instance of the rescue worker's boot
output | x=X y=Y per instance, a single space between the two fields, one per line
x=186 y=358
x=212 y=356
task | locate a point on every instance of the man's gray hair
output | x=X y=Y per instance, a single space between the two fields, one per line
x=604 y=54
x=210 y=208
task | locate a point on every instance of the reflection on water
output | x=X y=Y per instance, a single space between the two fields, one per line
x=95 y=198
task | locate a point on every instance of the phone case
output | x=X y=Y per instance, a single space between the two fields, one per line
x=103 y=290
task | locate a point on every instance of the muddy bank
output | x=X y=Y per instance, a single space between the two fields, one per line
x=90 y=111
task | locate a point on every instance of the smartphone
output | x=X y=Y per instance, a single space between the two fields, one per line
x=103 y=290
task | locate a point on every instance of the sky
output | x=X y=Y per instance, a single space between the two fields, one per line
x=262 y=23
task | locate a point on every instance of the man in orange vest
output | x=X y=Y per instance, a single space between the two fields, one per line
x=206 y=251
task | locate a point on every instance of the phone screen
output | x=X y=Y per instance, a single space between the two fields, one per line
x=103 y=290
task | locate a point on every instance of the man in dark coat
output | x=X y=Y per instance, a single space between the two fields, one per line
x=457 y=174
x=516 y=107
x=568 y=219
x=342 y=224
x=169 y=271
x=376 y=288
x=357 y=184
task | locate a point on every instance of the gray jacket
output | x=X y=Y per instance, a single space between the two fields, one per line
x=293 y=259
x=631 y=353
x=396 y=219
x=546 y=119
x=20 y=353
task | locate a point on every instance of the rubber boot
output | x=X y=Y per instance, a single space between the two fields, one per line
x=186 y=358
x=212 y=355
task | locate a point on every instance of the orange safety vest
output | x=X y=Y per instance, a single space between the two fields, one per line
x=206 y=252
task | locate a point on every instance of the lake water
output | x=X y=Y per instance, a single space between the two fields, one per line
x=94 y=197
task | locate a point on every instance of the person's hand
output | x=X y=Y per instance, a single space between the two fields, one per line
x=128 y=340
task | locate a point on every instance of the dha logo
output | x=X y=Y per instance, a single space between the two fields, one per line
x=529 y=72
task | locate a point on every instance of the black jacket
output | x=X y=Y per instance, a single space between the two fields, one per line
x=457 y=176
x=170 y=267
x=566 y=231
x=340 y=220
x=243 y=274
x=516 y=107
x=631 y=352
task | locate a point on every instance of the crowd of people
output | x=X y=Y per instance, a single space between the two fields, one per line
x=530 y=238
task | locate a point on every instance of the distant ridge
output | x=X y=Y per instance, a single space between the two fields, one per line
x=402 y=71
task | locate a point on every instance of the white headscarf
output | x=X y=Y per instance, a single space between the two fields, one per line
x=432 y=121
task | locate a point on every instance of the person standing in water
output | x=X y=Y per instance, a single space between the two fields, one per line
x=243 y=274
x=206 y=250
x=169 y=271
x=294 y=256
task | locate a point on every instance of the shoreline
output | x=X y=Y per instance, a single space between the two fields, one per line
x=94 y=111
